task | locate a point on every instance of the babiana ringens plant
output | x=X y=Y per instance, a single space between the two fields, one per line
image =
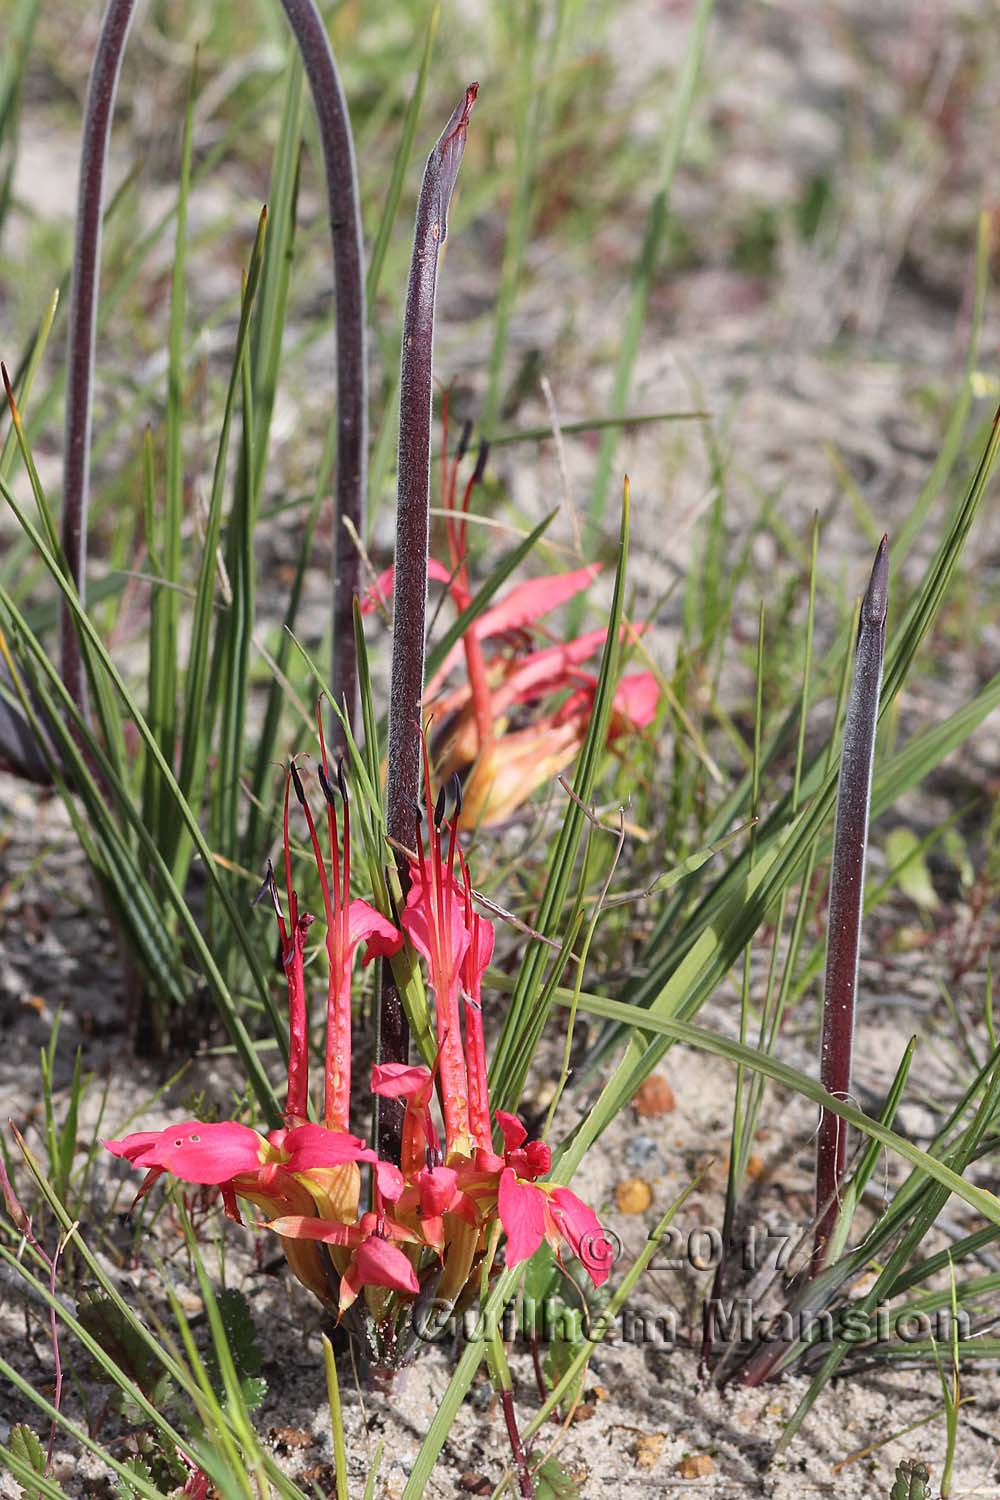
x=411 y=1256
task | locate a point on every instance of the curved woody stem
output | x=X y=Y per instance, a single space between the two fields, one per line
x=341 y=172
x=99 y=108
x=349 y=290
x=412 y=541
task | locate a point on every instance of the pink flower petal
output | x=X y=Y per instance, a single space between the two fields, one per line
x=512 y=1130
x=583 y=1231
x=420 y=916
x=527 y=602
x=521 y=606
x=389 y=1180
x=477 y=959
x=437 y=1190
x=635 y=700
x=207 y=1154
x=385 y=583
x=365 y=924
x=134 y=1148
x=312 y=1145
x=306 y=1227
x=530 y=1161
x=522 y=1214
x=380 y=1264
x=401 y=1081
x=382 y=1227
x=547 y=670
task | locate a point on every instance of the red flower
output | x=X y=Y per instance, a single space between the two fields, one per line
x=530 y=1214
x=374 y=1260
x=348 y=923
x=195 y=1152
x=485 y=731
x=437 y=921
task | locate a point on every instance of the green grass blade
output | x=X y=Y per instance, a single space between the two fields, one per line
x=593 y=424
x=681 y=104
x=198 y=713
x=985 y=1203
x=372 y=751
x=448 y=1407
x=524 y=26
x=230 y=679
x=861 y=1176
x=26 y=380
x=404 y=151
x=497 y=578
x=930 y=1204
x=258 y=830
x=336 y=1419
x=665 y=952
x=186 y=818
x=13 y=60
x=951 y=443
x=109 y=854
x=108 y=719
x=164 y=665
x=272 y=300
x=526 y=1016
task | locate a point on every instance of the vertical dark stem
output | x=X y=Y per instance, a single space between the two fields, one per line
x=352 y=361
x=349 y=288
x=412 y=538
x=516 y=1446
x=850 y=841
x=101 y=91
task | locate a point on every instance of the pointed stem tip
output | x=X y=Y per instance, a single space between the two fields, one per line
x=876 y=600
x=446 y=158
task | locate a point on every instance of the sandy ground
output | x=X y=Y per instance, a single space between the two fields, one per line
x=843 y=351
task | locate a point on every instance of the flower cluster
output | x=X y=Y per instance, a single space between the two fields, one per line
x=497 y=729
x=431 y=1214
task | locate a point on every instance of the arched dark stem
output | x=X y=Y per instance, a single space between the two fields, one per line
x=101 y=91
x=349 y=288
x=352 y=361
x=406 y=688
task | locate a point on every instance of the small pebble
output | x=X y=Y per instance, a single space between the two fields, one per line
x=633 y=1196
x=695 y=1466
x=647 y=1448
x=654 y=1097
x=642 y=1154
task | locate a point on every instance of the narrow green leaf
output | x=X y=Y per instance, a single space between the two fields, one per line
x=198 y=713
x=680 y=103
x=526 y=1015
x=401 y=161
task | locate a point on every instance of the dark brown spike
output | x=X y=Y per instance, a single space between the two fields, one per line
x=268 y=887
x=482 y=458
x=465 y=437
x=297 y=783
x=328 y=791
